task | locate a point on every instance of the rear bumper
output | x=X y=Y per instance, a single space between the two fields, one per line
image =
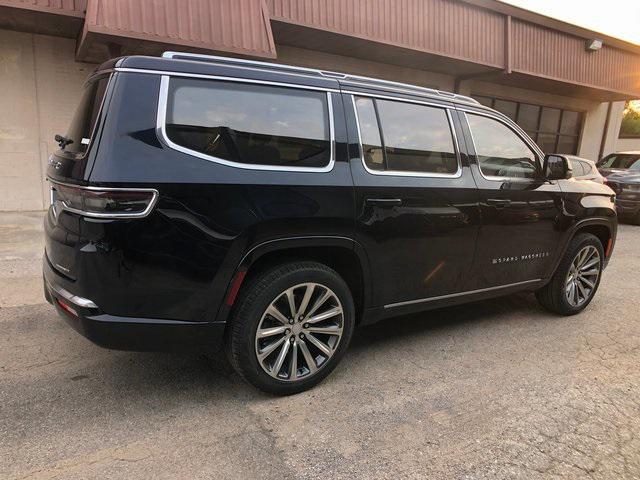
x=127 y=333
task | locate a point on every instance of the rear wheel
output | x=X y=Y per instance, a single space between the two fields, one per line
x=576 y=279
x=292 y=326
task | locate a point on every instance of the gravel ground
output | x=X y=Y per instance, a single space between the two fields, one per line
x=495 y=389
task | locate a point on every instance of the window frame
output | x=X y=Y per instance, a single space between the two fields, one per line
x=515 y=128
x=401 y=173
x=161 y=124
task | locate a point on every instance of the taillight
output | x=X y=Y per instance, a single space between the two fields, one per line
x=104 y=202
x=66 y=308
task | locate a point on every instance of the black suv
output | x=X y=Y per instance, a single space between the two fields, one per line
x=203 y=201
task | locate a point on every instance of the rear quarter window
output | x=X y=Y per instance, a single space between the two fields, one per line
x=86 y=115
x=250 y=124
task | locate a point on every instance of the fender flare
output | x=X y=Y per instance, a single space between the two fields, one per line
x=280 y=244
x=600 y=221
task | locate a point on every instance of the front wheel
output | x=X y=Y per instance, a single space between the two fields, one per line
x=292 y=326
x=576 y=279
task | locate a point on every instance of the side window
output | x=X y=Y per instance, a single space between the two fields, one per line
x=370 y=134
x=578 y=168
x=414 y=138
x=500 y=151
x=250 y=124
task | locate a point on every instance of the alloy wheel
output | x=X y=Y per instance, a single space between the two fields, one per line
x=299 y=332
x=583 y=276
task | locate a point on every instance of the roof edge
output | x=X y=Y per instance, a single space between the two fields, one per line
x=553 y=23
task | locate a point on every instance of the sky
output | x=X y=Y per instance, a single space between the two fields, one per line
x=616 y=18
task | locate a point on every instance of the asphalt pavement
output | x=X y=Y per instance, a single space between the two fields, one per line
x=495 y=389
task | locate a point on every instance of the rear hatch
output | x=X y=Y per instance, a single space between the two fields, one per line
x=70 y=165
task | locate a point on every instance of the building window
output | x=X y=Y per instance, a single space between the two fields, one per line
x=555 y=130
x=630 y=126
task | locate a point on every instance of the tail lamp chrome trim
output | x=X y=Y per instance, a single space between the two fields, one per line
x=70 y=297
x=154 y=199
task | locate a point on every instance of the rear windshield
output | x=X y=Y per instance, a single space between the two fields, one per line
x=85 y=118
x=621 y=161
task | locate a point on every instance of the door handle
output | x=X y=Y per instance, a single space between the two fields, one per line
x=384 y=202
x=499 y=202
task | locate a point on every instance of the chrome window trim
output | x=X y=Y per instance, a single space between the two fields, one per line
x=400 y=173
x=458 y=294
x=144 y=213
x=225 y=78
x=256 y=63
x=382 y=96
x=389 y=84
x=519 y=133
x=161 y=131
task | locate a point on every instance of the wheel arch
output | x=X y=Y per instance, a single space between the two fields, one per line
x=346 y=256
x=604 y=229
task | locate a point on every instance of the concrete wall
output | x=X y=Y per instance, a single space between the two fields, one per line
x=40 y=84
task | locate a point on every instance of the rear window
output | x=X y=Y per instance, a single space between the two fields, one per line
x=85 y=118
x=621 y=161
x=250 y=124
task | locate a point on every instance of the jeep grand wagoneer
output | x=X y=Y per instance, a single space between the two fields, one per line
x=204 y=201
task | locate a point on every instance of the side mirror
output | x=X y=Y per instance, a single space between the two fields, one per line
x=557 y=167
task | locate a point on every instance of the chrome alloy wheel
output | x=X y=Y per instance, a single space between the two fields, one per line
x=583 y=276
x=299 y=332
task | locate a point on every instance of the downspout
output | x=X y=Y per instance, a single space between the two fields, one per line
x=605 y=131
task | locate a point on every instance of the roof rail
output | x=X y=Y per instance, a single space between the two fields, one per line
x=365 y=81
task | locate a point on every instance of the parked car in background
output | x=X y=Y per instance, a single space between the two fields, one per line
x=622 y=173
x=204 y=201
x=584 y=169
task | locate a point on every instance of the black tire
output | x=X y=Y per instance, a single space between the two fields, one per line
x=257 y=295
x=553 y=295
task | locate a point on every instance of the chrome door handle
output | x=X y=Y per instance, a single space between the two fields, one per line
x=384 y=202
x=499 y=202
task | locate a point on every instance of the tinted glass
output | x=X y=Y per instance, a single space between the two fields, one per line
x=550 y=119
x=506 y=107
x=252 y=124
x=567 y=144
x=578 y=168
x=500 y=151
x=621 y=161
x=487 y=101
x=547 y=142
x=369 y=134
x=570 y=123
x=85 y=117
x=417 y=138
x=528 y=116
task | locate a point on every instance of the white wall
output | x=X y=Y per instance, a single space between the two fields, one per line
x=40 y=84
